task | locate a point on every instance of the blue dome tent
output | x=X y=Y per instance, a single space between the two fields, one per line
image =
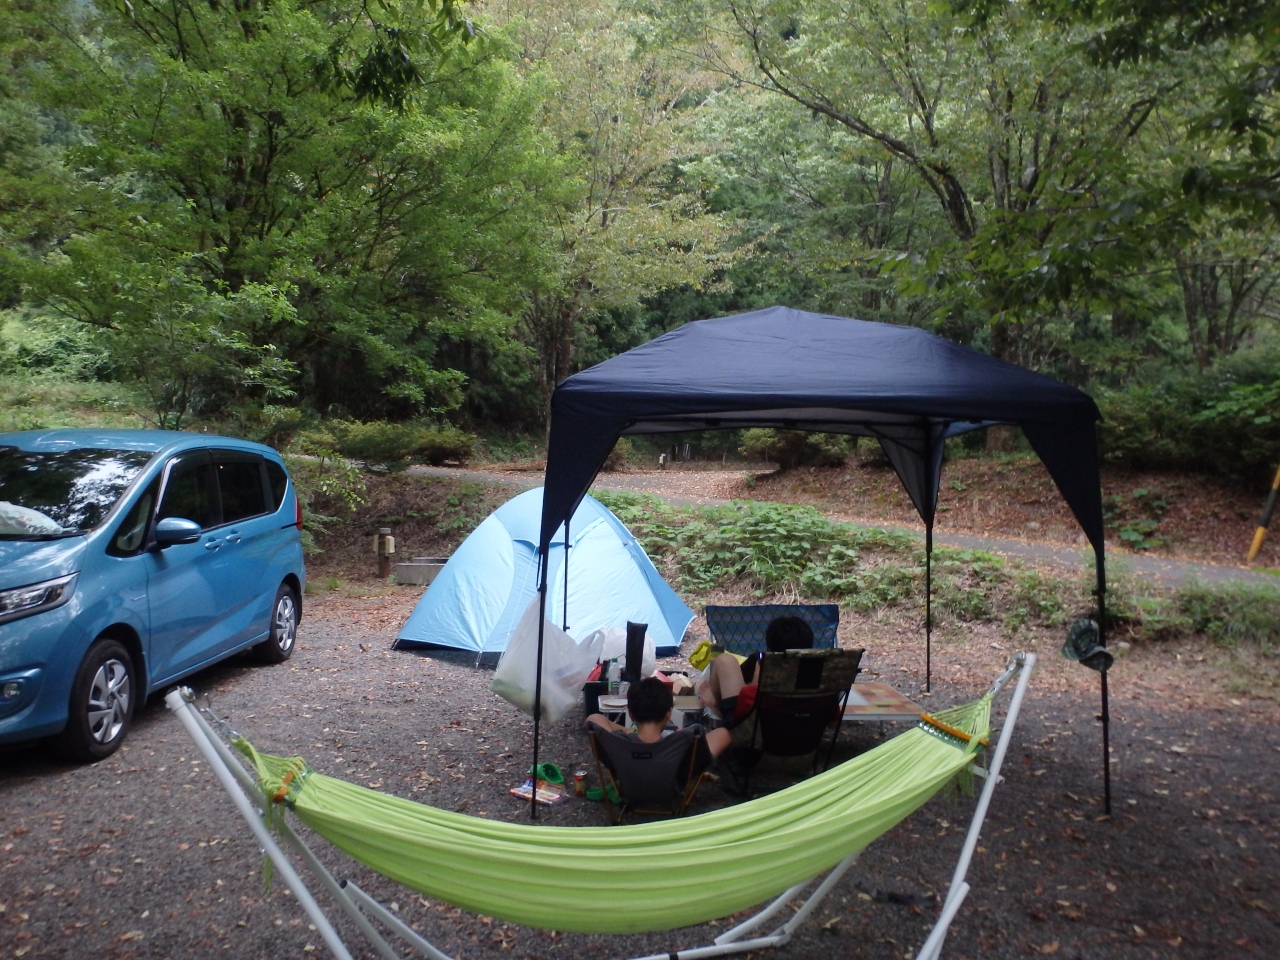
x=478 y=598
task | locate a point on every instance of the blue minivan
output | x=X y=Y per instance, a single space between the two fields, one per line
x=129 y=559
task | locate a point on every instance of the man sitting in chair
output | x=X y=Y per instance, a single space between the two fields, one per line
x=732 y=685
x=654 y=773
x=650 y=703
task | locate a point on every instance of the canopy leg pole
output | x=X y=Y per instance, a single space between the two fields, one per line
x=187 y=714
x=928 y=608
x=1105 y=716
x=544 y=559
x=1106 y=748
x=565 y=613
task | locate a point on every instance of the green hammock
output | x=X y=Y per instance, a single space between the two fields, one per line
x=628 y=879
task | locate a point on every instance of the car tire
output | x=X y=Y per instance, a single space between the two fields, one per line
x=103 y=696
x=278 y=647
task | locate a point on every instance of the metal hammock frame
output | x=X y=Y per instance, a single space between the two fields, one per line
x=362 y=909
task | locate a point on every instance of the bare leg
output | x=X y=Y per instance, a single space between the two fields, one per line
x=724 y=682
x=718 y=740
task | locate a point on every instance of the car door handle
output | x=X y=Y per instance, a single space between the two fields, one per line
x=232 y=537
x=212 y=544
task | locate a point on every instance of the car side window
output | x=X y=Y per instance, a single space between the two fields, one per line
x=240 y=480
x=131 y=535
x=279 y=481
x=191 y=491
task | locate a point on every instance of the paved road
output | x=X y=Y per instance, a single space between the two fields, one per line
x=1164 y=571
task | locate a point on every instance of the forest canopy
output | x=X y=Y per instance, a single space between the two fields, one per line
x=433 y=211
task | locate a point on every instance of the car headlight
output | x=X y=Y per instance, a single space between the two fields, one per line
x=18 y=602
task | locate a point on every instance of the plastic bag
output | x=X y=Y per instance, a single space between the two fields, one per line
x=565 y=665
x=612 y=643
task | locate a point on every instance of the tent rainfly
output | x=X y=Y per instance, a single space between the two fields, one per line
x=790 y=369
x=478 y=598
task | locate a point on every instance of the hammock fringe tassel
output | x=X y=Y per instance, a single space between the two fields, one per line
x=772 y=847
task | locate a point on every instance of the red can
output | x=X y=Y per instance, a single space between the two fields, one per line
x=580 y=783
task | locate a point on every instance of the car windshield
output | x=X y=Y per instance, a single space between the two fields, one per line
x=49 y=495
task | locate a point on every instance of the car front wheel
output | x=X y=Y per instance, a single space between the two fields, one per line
x=102 y=701
x=278 y=646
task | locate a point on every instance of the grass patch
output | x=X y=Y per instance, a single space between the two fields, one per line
x=1232 y=615
x=775 y=549
x=40 y=403
x=429 y=516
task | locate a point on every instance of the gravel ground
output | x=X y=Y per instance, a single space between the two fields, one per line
x=142 y=856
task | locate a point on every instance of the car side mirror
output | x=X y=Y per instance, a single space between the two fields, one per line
x=173 y=530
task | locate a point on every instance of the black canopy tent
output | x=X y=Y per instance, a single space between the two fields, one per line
x=791 y=369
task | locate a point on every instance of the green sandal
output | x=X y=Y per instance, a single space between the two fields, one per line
x=597 y=794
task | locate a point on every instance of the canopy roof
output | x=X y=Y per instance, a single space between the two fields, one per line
x=791 y=369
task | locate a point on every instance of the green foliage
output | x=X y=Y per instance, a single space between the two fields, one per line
x=381 y=444
x=503 y=447
x=40 y=346
x=392 y=446
x=1256 y=402
x=620 y=456
x=1034 y=598
x=165 y=330
x=464 y=510
x=1241 y=617
x=774 y=548
x=444 y=444
x=47 y=402
x=1217 y=420
x=329 y=489
x=1234 y=615
x=1136 y=517
x=795 y=448
x=260 y=199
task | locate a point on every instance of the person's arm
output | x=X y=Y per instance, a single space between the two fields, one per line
x=600 y=721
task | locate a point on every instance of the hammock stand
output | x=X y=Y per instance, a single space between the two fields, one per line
x=361 y=908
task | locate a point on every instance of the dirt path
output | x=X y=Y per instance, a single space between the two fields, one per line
x=705 y=488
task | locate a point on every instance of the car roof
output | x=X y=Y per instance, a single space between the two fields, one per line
x=146 y=441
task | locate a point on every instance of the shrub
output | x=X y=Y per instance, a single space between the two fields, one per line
x=1221 y=420
x=393 y=445
x=329 y=489
x=440 y=445
x=376 y=443
x=796 y=448
x=619 y=457
x=1233 y=614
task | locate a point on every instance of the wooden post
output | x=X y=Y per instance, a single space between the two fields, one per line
x=385 y=547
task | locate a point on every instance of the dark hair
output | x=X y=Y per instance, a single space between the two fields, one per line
x=788 y=633
x=649 y=700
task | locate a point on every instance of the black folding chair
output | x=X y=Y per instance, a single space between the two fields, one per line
x=652 y=778
x=801 y=697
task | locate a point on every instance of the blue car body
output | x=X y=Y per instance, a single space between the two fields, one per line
x=176 y=607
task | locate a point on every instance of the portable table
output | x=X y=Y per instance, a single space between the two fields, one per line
x=879 y=701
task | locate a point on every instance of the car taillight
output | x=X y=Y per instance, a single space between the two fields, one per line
x=297 y=522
